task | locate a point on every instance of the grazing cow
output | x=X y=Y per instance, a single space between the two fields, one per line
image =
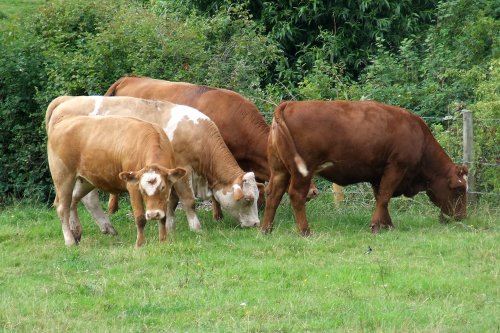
x=198 y=148
x=114 y=154
x=240 y=123
x=350 y=142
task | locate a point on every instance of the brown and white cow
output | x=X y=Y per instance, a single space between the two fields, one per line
x=114 y=154
x=240 y=123
x=198 y=148
x=365 y=141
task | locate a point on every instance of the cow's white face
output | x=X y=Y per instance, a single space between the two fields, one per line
x=240 y=201
x=155 y=183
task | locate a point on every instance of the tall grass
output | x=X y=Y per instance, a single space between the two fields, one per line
x=421 y=276
x=10 y=8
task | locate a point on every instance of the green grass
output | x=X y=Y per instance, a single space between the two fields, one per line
x=421 y=276
x=10 y=8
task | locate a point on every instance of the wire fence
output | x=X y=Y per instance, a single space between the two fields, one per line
x=483 y=148
x=484 y=166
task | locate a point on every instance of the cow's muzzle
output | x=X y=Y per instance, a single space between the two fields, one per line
x=155 y=214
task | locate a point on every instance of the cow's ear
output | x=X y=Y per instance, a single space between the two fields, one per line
x=261 y=187
x=459 y=178
x=174 y=175
x=462 y=170
x=129 y=176
x=237 y=192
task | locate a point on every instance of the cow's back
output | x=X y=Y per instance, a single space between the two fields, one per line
x=105 y=146
x=241 y=125
x=357 y=138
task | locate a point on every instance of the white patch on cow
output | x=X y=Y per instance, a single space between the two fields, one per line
x=301 y=165
x=243 y=210
x=324 y=166
x=98 y=102
x=466 y=178
x=182 y=113
x=150 y=182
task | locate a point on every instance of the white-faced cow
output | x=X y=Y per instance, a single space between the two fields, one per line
x=240 y=123
x=114 y=154
x=198 y=148
x=350 y=142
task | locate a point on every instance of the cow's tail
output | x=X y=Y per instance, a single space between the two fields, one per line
x=112 y=90
x=114 y=87
x=52 y=106
x=280 y=132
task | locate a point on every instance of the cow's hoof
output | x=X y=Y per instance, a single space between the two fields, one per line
x=305 y=232
x=266 y=230
x=196 y=227
x=443 y=219
x=375 y=228
x=77 y=234
x=109 y=230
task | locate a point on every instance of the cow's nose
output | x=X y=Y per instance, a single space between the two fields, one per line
x=154 y=214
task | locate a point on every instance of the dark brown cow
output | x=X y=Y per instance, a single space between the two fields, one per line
x=240 y=123
x=350 y=142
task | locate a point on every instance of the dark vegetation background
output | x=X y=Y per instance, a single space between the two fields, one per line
x=432 y=57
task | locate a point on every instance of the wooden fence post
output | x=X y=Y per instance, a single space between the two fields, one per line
x=468 y=144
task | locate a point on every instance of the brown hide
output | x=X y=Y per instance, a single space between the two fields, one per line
x=114 y=154
x=242 y=127
x=350 y=142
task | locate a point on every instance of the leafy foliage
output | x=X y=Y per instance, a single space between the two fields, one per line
x=23 y=167
x=432 y=57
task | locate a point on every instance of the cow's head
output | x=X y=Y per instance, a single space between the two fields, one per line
x=240 y=199
x=155 y=183
x=450 y=193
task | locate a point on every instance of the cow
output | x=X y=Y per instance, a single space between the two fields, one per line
x=240 y=123
x=114 y=154
x=348 y=142
x=198 y=148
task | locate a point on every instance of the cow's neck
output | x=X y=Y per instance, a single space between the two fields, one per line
x=436 y=162
x=219 y=167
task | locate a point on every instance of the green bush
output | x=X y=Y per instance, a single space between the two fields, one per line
x=23 y=167
x=264 y=50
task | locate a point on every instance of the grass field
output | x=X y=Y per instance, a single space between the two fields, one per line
x=422 y=276
x=9 y=8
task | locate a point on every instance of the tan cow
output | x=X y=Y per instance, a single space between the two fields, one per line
x=240 y=123
x=349 y=142
x=198 y=148
x=114 y=154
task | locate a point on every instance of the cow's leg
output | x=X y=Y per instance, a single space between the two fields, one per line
x=216 y=210
x=261 y=201
x=64 y=190
x=138 y=210
x=298 y=190
x=162 y=230
x=173 y=200
x=277 y=186
x=186 y=196
x=393 y=174
x=113 y=203
x=91 y=202
x=80 y=190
